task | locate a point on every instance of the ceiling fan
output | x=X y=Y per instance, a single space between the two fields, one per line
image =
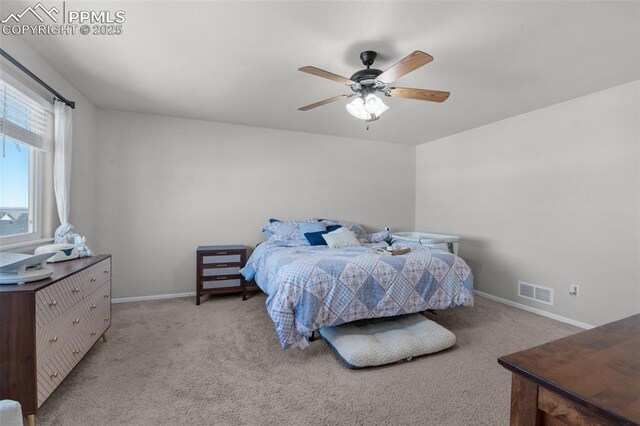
x=368 y=82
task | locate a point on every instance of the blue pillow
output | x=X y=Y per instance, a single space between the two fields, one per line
x=332 y=228
x=312 y=227
x=315 y=238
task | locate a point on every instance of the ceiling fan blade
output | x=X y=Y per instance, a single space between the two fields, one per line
x=419 y=94
x=410 y=63
x=324 y=102
x=326 y=74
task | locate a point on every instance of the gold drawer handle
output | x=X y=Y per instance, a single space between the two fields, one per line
x=76 y=351
x=53 y=303
x=76 y=321
x=54 y=339
x=221 y=278
x=106 y=271
x=92 y=306
x=106 y=319
x=76 y=290
x=106 y=295
x=54 y=375
x=222 y=265
x=93 y=279
x=222 y=253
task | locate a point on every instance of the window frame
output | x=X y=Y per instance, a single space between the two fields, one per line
x=36 y=204
x=40 y=213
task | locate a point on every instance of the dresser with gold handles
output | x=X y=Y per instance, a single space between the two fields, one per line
x=48 y=326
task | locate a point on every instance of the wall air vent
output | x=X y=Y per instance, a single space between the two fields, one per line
x=535 y=292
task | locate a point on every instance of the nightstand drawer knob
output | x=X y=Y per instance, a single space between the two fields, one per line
x=54 y=375
x=76 y=351
x=76 y=321
x=92 y=306
x=93 y=333
x=53 y=303
x=106 y=295
x=93 y=279
x=106 y=271
x=54 y=339
x=106 y=319
x=76 y=290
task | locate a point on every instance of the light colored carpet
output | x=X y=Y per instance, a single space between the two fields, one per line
x=171 y=362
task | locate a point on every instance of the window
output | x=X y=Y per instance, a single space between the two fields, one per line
x=26 y=129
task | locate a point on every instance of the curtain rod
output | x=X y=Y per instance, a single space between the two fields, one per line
x=37 y=79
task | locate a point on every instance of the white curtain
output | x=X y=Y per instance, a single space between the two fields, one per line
x=62 y=169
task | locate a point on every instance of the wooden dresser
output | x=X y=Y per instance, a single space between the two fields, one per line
x=590 y=378
x=46 y=328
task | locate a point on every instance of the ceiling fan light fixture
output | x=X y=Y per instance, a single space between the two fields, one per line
x=372 y=104
x=357 y=109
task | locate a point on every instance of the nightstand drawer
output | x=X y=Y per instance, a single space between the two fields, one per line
x=220 y=258
x=212 y=272
x=223 y=282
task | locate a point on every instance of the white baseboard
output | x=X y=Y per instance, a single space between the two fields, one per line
x=535 y=310
x=153 y=297
x=477 y=292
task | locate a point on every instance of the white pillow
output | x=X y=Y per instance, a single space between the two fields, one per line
x=341 y=237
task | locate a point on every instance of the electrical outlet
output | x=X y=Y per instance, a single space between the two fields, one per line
x=573 y=290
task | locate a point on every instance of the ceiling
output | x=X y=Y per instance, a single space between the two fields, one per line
x=236 y=62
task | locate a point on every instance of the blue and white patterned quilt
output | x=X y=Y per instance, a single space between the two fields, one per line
x=310 y=287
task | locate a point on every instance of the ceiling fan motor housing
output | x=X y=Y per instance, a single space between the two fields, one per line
x=363 y=76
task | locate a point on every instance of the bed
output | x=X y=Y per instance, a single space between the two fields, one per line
x=310 y=287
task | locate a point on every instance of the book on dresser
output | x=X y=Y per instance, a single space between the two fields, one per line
x=48 y=326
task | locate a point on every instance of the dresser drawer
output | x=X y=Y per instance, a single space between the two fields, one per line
x=56 y=299
x=95 y=302
x=49 y=376
x=96 y=275
x=98 y=325
x=56 y=334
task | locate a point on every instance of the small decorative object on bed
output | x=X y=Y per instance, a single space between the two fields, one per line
x=369 y=343
x=314 y=286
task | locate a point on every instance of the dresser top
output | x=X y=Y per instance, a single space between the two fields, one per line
x=598 y=368
x=212 y=248
x=61 y=270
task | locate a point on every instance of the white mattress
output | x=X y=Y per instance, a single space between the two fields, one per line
x=384 y=341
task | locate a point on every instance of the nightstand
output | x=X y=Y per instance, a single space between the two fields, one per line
x=218 y=270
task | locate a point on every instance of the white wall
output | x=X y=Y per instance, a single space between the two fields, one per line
x=550 y=197
x=82 y=214
x=167 y=185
